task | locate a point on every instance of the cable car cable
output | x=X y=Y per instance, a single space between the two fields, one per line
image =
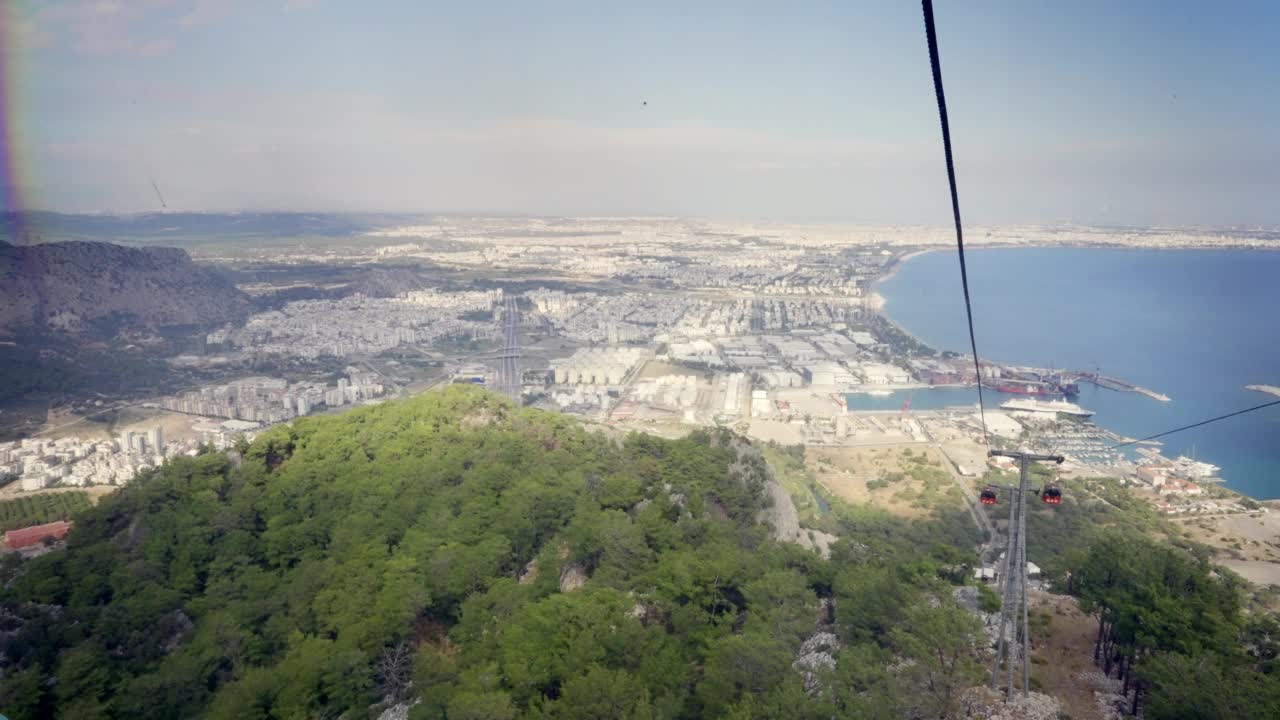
x=936 y=66
x=1196 y=425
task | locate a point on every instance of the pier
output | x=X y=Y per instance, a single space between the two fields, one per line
x=1042 y=381
x=1111 y=383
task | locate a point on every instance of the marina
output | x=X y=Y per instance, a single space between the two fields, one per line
x=1085 y=446
x=1182 y=466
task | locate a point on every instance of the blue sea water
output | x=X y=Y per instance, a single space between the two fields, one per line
x=1196 y=325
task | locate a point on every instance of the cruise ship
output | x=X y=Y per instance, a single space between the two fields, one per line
x=1057 y=408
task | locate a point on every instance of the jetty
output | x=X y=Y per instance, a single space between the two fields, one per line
x=1118 y=385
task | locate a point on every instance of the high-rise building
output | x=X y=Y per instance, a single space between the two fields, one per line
x=155 y=440
x=132 y=442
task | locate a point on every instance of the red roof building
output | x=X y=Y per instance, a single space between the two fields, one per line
x=27 y=536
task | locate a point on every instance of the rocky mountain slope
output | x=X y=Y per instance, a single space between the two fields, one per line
x=75 y=286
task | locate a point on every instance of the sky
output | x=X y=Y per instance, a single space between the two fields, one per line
x=1160 y=113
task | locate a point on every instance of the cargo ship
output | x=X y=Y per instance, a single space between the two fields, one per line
x=1057 y=408
x=1028 y=387
x=1068 y=387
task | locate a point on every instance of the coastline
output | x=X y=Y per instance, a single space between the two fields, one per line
x=896 y=264
x=879 y=303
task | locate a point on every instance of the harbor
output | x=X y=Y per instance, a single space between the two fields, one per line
x=1042 y=382
x=1034 y=296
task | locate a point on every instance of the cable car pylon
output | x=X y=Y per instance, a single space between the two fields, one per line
x=1013 y=578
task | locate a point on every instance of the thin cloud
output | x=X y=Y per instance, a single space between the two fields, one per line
x=351 y=151
x=28 y=35
x=207 y=11
x=145 y=28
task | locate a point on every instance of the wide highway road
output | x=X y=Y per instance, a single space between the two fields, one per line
x=508 y=380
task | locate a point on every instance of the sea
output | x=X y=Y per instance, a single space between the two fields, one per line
x=1196 y=325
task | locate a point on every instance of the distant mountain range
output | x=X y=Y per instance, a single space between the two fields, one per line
x=181 y=228
x=78 y=286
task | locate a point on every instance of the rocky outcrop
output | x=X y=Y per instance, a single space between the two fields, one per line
x=572 y=577
x=77 y=286
x=1109 y=694
x=750 y=468
x=815 y=658
x=967 y=598
x=782 y=515
x=529 y=574
x=399 y=711
x=982 y=702
x=179 y=626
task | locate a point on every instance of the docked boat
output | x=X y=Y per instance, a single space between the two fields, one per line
x=1196 y=469
x=1028 y=387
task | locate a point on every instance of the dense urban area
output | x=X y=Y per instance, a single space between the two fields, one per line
x=657 y=325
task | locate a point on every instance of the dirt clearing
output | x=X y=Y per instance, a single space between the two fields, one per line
x=1063 y=654
x=908 y=481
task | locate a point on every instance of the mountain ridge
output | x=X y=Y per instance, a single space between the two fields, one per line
x=74 y=286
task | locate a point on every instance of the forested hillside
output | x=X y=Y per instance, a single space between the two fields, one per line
x=478 y=561
x=419 y=550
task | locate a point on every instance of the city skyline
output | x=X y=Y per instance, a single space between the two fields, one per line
x=1087 y=113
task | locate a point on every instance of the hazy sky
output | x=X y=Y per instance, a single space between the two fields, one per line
x=1127 y=112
